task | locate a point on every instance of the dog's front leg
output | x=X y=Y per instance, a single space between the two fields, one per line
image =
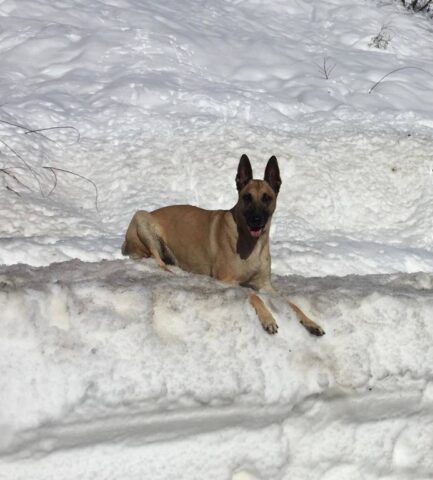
x=267 y=320
x=305 y=321
x=265 y=316
x=309 y=324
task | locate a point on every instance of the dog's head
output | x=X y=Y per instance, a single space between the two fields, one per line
x=257 y=198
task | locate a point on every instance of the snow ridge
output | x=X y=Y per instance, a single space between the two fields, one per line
x=210 y=367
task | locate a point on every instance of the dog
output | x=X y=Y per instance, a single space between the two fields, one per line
x=228 y=245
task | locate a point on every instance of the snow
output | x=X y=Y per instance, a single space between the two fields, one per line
x=111 y=368
x=114 y=356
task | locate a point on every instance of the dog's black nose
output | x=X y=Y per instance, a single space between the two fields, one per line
x=256 y=220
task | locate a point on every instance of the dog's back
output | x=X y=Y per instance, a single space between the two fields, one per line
x=182 y=235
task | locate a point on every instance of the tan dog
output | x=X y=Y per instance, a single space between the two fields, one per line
x=229 y=245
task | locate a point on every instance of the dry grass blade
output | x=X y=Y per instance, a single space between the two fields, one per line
x=394 y=71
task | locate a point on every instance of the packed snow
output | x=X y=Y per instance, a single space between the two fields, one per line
x=113 y=368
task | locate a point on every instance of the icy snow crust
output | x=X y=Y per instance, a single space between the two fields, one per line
x=113 y=369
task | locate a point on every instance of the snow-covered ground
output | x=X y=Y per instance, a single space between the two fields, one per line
x=113 y=369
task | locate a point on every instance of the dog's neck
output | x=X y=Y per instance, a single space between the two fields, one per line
x=246 y=244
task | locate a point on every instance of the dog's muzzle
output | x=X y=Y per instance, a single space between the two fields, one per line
x=256 y=223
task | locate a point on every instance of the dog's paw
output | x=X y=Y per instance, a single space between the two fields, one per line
x=315 y=330
x=270 y=326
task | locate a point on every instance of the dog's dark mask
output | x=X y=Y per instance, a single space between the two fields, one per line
x=256 y=212
x=257 y=197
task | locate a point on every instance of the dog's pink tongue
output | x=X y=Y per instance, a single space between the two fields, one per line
x=255 y=232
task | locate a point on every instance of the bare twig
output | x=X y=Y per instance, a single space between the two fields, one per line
x=326 y=69
x=53 y=170
x=38 y=130
x=14 y=177
x=77 y=175
x=424 y=6
x=394 y=71
x=413 y=5
x=12 y=190
x=55 y=182
x=32 y=171
x=383 y=37
x=22 y=127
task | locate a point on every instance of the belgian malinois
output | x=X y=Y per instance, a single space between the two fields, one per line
x=229 y=245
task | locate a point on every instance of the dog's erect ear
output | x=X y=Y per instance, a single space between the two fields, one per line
x=272 y=174
x=245 y=172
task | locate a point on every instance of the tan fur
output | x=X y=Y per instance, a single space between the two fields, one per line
x=217 y=243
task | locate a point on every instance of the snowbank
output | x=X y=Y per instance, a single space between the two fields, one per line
x=121 y=355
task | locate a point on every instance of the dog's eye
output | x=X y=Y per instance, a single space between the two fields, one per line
x=266 y=198
x=247 y=198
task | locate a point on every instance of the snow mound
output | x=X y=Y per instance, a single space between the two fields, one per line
x=119 y=354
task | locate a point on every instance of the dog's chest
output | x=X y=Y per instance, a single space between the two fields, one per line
x=248 y=268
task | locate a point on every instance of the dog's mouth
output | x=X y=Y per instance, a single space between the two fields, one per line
x=255 y=232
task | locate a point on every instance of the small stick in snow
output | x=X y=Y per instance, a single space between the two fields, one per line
x=326 y=69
